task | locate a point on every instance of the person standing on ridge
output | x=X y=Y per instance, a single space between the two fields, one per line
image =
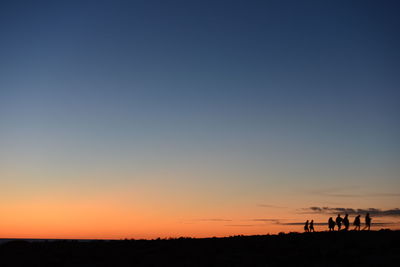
x=306 y=227
x=346 y=222
x=331 y=224
x=357 y=223
x=312 y=226
x=339 y=222
x=367 y=222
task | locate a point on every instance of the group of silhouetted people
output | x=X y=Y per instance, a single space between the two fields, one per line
x=309 y=226
x=339 y=221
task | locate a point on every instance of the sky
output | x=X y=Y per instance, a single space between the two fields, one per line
x=145 y=119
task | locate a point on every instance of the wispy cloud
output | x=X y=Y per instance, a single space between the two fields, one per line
x=195 y=221
x=343 y=195
x=343 y=192
x=270 y=206
x=351 y=211
x=301 y=223
x=241 y=225
x=258 y=222
x=384 y=194
x=285 y=222
x=266 y=220
x=213 y=220
x=325 y=224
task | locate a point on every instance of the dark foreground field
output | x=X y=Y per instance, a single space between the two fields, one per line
x=381 y=248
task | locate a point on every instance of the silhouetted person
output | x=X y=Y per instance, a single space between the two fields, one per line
x=346 y=222
x=357 y=223
x=331 y=224
x=312 y=226
x=367 y=222
x=339 y=222
x=306 y=227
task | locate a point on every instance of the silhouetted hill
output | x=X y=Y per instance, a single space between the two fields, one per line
x=375 y=248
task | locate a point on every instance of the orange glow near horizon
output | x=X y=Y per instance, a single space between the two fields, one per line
x=95 y=208
x=101 y=219
x=86 y=220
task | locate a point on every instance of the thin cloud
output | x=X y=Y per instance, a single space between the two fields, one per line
x=360 y=195
x=300 y=223
x=342 y=192
x=279 y=222
x=325 y=224
x=351 y=211
x=241 y=225
x=385 y=195
x=266 y=220
x=270 y=206
x=213 y=220
x=258 y=220
x=194 y=221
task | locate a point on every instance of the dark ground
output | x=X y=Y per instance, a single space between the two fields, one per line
x=375 y=248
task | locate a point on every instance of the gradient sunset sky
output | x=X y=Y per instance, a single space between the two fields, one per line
x=144 y=119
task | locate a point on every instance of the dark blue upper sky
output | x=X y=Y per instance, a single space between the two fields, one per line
x=263 y=88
